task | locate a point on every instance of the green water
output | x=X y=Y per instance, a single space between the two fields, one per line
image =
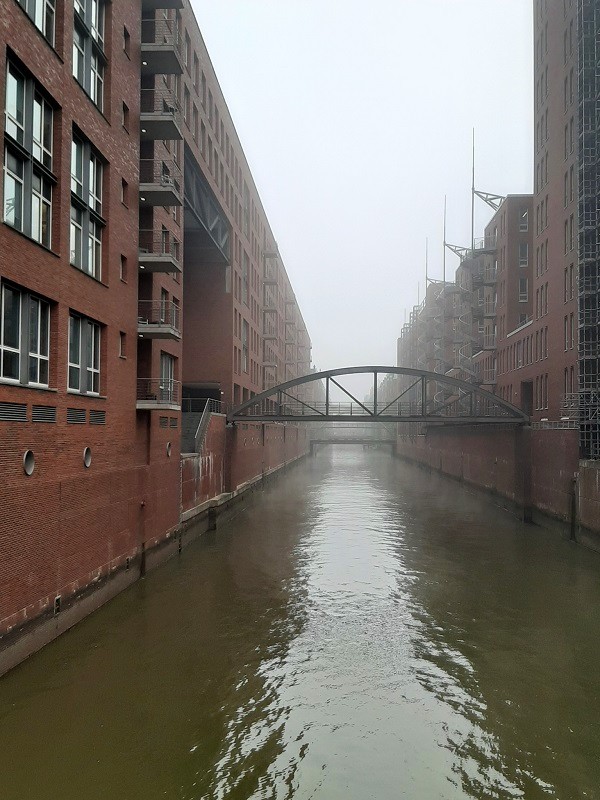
x=360 y=630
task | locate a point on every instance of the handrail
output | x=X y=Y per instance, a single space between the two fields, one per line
x=159 y=243
x=211 y=407
x=159 y=312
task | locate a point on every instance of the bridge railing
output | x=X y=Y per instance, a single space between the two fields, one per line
x=454 y=406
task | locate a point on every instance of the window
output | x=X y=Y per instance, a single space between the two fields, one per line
x=167 y=388
x=84 y=355
x=24 y=337
x=89 y=61
x=524 y=221
x=123 y=269
x=571 y=232
x=245 y=346
x=187 y=53
x=523 y=254
x=124 y=192
x=126 y=42
x=571 y=281
x=87 y=225
x=125 y=116
x=122 y=345
x=196 y=73
x=186 y=106
x=42 y=14
x=245 y=268
x=28 y=179
x=523 y=290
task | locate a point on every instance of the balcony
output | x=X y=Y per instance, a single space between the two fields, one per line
x=489 y=377
x=160 y=182
x=160 y=115
x=159 y=320
x=160 y=251
x=489 y=341
x=161 y=48
x=158 y=394
x=489 y=308
x=159 y=5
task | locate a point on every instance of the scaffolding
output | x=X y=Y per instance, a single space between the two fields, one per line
x=589 y=244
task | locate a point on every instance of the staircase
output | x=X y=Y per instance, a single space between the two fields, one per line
x=189 y=425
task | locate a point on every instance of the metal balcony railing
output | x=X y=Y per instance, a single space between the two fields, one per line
x=161 y=183
x=488 y=242
x=489 y=341
x=161 y=32
x=159 y=314
x=158 y=392
x=162 y=172
x=160 y=114
x=489 y=376
x=160 y=244
x=200 y=404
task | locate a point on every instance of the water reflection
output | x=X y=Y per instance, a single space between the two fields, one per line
x=362 y=629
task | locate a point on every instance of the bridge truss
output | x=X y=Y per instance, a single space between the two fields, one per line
x=416 y=397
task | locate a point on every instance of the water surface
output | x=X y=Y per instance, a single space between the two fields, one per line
x=361 y=629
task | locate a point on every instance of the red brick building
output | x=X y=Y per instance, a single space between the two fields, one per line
x=137 y=267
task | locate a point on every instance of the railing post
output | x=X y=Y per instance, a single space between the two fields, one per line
x=375 y=394
x=326 y=397
x=423 y=396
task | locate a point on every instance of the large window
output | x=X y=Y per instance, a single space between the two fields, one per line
x=28 y=178
x=523 y=254
x=42 y=13
x=245 y=336
x=89 y=61
x=168 y=392
x=523 y=290
x=84 y=355
x=87 y=224
x=24 y=337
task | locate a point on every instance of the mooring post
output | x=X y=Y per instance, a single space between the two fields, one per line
x=573 y=509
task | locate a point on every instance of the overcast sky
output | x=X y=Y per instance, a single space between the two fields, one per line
x=356 y=119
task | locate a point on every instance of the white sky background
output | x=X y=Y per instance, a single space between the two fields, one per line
x=356 y=119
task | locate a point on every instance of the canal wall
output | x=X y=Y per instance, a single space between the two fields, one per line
x=535 y=473
x=233 y=459
x=84 y=540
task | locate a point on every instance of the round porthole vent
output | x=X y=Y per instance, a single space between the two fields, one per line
x=87 y=457
x=28 y=462
x=169 y=449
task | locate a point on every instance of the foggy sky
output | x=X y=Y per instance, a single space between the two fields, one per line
x=356 y=119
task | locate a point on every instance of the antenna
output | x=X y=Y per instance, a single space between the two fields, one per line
x=473 y=199
x=444 y=261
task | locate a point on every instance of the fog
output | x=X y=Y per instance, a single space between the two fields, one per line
x=356 y=119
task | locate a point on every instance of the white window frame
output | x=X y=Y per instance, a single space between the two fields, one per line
x=29 y=119
x=39 y=351
x=87 y=360
x=43 y=15
x=87 y=225
x=89 y=60
x=33 y=346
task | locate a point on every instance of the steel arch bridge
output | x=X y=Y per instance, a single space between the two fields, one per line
x=418 y=396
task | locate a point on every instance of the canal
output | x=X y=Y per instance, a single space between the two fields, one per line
x=361 y=629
